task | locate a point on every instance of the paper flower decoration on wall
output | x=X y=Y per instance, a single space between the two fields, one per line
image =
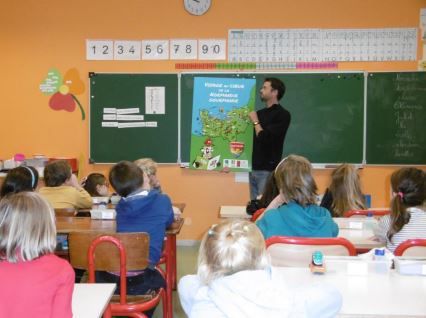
x=63 y=90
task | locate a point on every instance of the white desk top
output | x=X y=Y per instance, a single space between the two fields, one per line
x=90 y=300
x=372 y=295
x=234 y=211
x=355 y=231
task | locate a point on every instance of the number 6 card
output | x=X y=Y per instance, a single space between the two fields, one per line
x=155 y=50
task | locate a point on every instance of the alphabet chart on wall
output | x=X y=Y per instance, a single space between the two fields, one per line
x=322 y=45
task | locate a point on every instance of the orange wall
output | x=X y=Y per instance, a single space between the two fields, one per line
x=37 y=35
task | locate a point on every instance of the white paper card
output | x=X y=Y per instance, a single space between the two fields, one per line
x=155 y=100
x=127 y=50
x=152 y=124
x=99 y=49
x=123 y=111
x=109 y=117
x=242 y=177
x=357 y=268
x=212 y=49
x=423 y=269
x=155 y=50
x=130 y=117
x=110 y=110
x=185 y=49
x=132 y=125
x=109 y=124
x=355 y=225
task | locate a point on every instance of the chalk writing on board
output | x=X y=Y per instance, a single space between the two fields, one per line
x=406 y=109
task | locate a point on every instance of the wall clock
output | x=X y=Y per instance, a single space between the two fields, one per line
x=197 y=7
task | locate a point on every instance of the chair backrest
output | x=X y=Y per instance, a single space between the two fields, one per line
x=289 y=251
x=107 y=256
x=257 y=214
x=65 y=212
x=364 y=213
x=412 y=247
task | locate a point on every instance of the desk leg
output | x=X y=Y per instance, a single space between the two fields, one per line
x=174 y=261
x=170 y=250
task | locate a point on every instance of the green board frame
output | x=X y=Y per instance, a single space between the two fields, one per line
x=111 y=144
x=327 y=112
x=396 y=118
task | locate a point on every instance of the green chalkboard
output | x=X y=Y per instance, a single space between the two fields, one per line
x=125 y=91
x=327 y=112
x=396 y=118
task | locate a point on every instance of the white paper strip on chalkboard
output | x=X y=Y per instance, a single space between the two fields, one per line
x=130 y=117
x=109 y=124
x=123 y=111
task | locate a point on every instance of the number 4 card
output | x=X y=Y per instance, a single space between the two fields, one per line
x=127 y=50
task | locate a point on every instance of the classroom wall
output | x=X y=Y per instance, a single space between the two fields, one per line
x=38 y=35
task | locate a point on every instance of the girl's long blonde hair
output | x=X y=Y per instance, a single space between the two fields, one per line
x=27 y=227
x=346 y=190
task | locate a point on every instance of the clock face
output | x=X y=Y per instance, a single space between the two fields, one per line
x=197 y=7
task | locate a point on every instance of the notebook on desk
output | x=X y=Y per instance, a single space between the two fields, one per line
x=233 y=211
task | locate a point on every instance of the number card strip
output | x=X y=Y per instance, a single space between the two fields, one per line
x=99 y=50
x=155 y=50
x=183 y=49
x=127 y=50
x=212 y=49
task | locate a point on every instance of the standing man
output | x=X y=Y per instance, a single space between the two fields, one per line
x=270 y=125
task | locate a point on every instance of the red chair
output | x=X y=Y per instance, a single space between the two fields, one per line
x=363 y=213
x=412 y=247
x=257 y=214
x=289 y=251
x=90 y=249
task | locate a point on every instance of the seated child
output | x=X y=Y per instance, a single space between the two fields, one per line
x=140 y=210
x=294 y=212
x=344 y=193
x=149 y=168
x=35 y=282
x=270 y=191
x=23 y=178
x=235 y=280
x=96 y=185
x=62 y=189
x=407 y=219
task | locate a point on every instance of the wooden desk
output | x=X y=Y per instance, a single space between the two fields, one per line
x=361 y=238
x=90 y=300
x=66 y=225
x=373 y=295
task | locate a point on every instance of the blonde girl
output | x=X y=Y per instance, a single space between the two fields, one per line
x=235 y=280
x=294 y=212
x=344 y=193
x=35 y=282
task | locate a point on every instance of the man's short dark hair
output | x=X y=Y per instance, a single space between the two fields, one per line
x=56 y=173
x=125 y=177
x=278 y=85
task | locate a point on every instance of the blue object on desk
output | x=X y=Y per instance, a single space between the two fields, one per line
x=367 y=198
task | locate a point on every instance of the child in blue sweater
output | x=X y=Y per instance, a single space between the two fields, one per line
x=294 y=212
x=140 y=210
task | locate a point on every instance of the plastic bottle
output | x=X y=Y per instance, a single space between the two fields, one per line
x=370 y=222
x=380 y=261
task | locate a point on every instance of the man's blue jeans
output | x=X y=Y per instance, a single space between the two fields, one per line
x=257 y=180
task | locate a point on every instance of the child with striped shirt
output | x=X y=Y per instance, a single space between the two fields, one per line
x=407 y=219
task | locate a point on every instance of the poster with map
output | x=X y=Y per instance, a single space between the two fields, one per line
x=221 y=132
